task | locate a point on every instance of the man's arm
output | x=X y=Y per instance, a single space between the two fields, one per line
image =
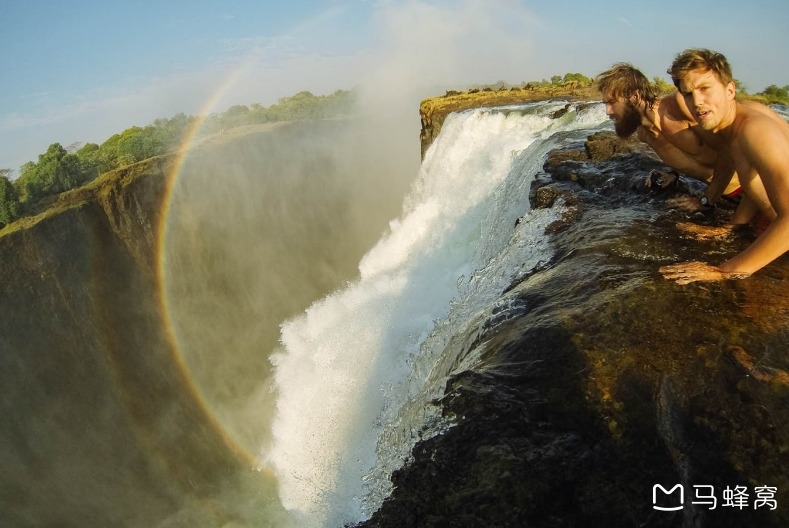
x=765 y=147
x=722 y=176
x=676 y=158
x=678 y=144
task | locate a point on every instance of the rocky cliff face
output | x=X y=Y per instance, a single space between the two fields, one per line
x=95 y=410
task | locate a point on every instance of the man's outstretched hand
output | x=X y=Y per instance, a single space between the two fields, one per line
x=687 y=272
x=702 y=232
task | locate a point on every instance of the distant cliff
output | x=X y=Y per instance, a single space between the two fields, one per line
x=87 y=367
x=125 y=399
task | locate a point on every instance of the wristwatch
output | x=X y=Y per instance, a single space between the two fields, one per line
x=705 y=201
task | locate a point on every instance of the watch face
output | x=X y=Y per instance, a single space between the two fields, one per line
x=704 y=200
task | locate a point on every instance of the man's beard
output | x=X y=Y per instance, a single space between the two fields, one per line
x=629 y=123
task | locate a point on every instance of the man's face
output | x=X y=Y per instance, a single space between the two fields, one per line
x=707 y=98
x=624 y=113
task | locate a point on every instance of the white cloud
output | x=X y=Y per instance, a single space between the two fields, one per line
x=429 y=46
x=421 y=45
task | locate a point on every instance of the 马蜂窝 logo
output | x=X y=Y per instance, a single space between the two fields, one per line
x=704 y=495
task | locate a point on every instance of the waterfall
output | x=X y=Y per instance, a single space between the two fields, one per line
x=357 y=371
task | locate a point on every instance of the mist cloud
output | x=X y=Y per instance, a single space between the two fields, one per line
x=426 y=47
x=420 y=48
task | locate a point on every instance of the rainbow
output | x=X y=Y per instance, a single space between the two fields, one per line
x=173 y=174
x=188 y=141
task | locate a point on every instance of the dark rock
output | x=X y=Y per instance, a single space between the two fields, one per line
x=560 y=112
x=604 y=145
x=558 y=156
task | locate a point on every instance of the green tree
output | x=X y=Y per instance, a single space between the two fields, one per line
x=28 y=186
x=171 y=131
x=9 y=201
x=108 y=151
x=577 y=77
x=25 y=172
x=776 y=92
x=55 y=172
x=90 y=162
x=138 y=143
x=661 y=86
x=134 y=145
x=60 y=169
x=235 y=116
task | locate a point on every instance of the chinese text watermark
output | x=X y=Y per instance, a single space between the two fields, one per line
x=739 y=497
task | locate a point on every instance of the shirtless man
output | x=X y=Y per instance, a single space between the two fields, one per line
x=756 y=140
x=667 y=126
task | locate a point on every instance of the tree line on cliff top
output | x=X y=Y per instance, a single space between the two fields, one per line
x=60 y=169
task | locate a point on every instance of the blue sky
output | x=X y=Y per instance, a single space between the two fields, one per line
x=80 y=71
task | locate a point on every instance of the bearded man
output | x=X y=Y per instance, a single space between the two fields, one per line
x=666 y=125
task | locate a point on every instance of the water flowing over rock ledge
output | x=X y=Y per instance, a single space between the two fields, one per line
x=434 y=110
x=608 y=380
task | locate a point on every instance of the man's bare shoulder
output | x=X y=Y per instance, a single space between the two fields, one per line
x=673 y=107
x=755 y=116
x=759 y=132
x=756 y=111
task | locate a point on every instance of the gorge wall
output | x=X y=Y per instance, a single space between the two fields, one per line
x=137 y=314
x=92 y=399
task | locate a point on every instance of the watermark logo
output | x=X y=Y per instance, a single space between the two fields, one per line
x=738 y=497
x=681 y=500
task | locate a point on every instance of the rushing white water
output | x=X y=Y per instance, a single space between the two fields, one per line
x=781 y=110
x=357 y=370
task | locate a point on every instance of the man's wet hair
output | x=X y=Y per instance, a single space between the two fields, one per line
x=700 y=59
x=625 y=81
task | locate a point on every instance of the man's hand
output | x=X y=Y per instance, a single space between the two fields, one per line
x=659 y=179
x=702 y=232
x=687 y=272
x=686 y=203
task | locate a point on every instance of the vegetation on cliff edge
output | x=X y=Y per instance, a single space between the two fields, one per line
x=61 y=169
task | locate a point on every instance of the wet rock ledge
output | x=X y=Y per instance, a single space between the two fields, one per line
x=602 y=379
